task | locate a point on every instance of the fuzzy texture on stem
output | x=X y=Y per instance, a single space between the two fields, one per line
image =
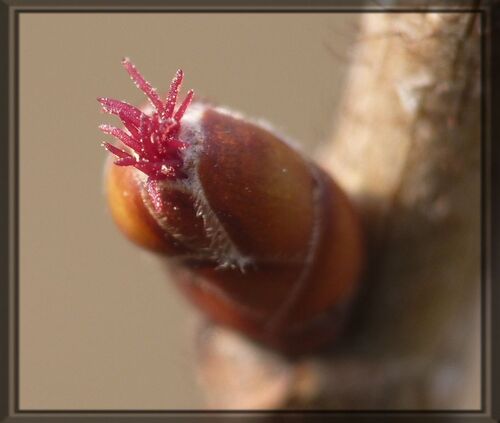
x=407 y=148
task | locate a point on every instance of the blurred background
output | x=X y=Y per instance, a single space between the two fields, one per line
x=101 y=327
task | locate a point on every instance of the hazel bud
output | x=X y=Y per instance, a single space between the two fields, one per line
x=259 y=237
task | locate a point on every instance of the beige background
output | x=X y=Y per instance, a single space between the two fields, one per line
x=100 y=326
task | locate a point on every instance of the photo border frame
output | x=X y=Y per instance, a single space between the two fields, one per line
x=9 y=225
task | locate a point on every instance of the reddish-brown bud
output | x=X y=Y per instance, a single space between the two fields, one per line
x=261 y=239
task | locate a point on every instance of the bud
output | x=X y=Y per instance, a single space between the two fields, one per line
x=260 y=238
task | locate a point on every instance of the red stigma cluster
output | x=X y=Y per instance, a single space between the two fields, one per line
x=152 y=139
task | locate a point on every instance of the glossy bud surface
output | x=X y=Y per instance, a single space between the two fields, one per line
x=259 y=237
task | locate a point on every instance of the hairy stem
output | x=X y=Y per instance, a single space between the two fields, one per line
x=407 y=149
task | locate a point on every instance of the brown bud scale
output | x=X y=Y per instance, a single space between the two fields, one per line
x=259 y=237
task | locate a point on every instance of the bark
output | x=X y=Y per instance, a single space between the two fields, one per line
x=407 y=148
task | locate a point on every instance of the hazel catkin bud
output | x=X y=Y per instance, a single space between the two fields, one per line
x=260 y=238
